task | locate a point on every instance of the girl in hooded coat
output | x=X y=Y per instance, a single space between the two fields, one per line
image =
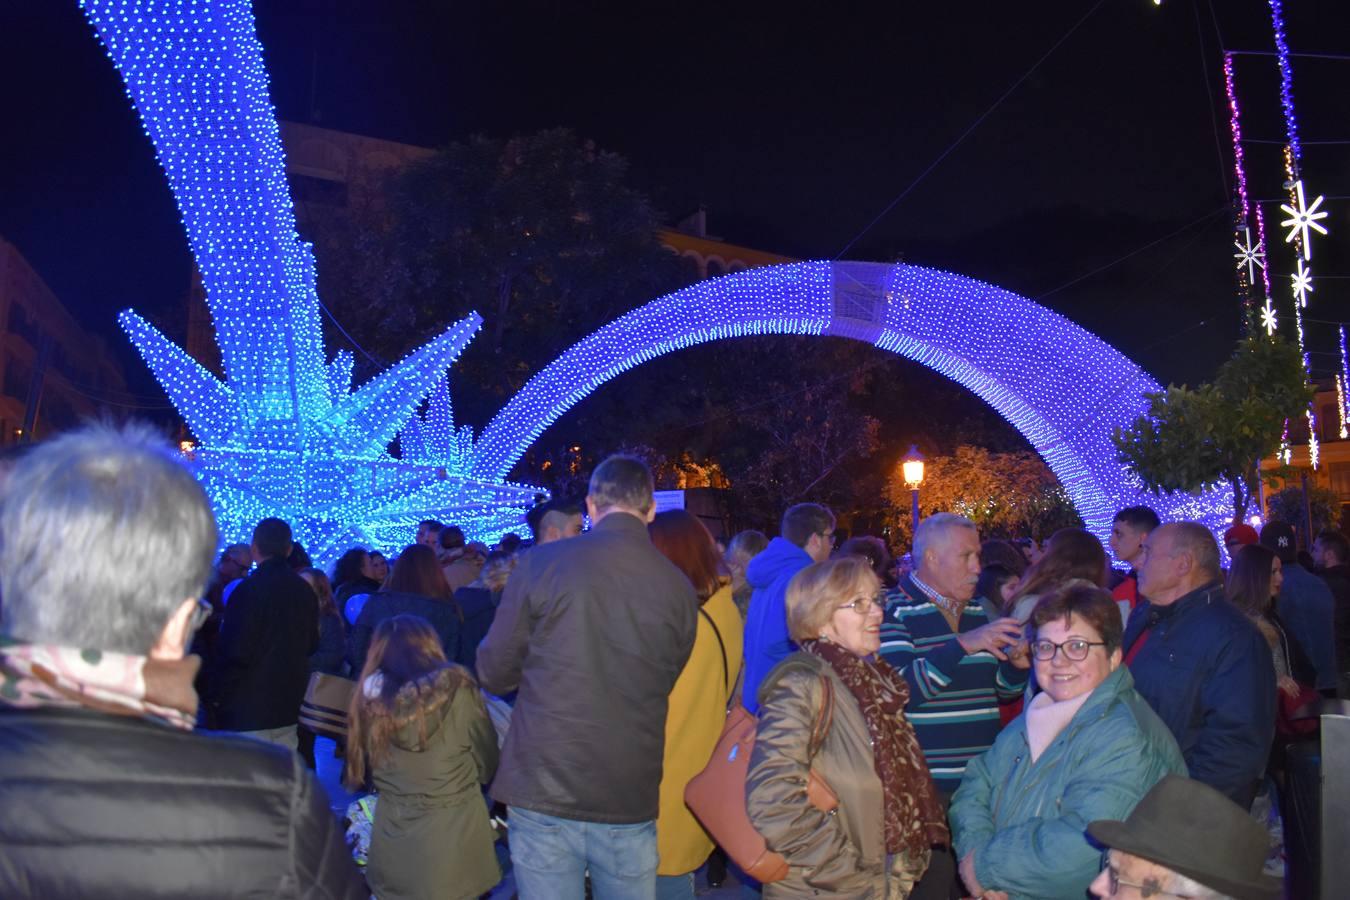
x=418 y=723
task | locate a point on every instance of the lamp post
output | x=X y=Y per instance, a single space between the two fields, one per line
x=912 y=467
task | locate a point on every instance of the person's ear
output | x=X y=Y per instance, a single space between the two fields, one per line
x=1116 y=656
x=177 y=634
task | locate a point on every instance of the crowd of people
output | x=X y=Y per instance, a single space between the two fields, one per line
x=993 y=719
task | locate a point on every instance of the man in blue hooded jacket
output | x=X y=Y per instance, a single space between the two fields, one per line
x=807 y=536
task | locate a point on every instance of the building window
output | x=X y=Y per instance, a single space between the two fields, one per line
x=1340 y=480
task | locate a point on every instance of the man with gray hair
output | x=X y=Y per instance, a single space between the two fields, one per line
x=106 y=543
x=592 y=631
x=1201 y=663
x=959 y=659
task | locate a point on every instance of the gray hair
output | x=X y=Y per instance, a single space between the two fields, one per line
x=933 y=530
x=1198 y=541
x=103 y=534
x=1188 y=887
x=624 y=482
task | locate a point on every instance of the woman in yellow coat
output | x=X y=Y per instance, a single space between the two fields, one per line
x=698 y=702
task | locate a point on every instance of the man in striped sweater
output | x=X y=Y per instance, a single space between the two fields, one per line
x=959 y=659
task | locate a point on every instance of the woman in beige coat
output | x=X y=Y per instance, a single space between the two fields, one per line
x=876 y=844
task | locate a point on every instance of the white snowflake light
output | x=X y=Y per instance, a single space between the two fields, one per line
x=1249 y=255
x=1268 y=318
x=1303 y=218
x=1302 y=283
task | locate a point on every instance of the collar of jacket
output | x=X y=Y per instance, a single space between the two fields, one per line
x=623 y=522
x=1201 y=596
x=274 y=564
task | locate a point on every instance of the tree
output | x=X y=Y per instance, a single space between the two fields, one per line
x=540 y=234
x=1287 y=506
x=1191 y=439
x=1005 y=494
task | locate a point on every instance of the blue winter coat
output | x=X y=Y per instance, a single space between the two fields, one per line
x=1027 y=822
x=766 y=633
x=1207 y=672
x=1308 y=609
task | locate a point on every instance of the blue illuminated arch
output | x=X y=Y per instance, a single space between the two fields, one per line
x=1062 y=387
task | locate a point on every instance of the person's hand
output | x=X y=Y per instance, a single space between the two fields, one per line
x=994 y=895
x=967 y=871
x=1288 y=685
x=993 y=637
x=1020 y=655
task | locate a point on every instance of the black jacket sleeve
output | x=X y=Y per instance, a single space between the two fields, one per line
x=321 y=865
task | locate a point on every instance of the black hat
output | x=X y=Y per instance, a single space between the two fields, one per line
x=1279 y=536
x=1193 y=829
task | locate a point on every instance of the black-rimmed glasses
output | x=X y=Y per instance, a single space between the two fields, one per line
x=1075 y=649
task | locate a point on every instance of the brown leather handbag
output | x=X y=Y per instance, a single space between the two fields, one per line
x=716 y=795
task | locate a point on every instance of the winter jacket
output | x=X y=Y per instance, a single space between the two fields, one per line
x=842 y=854
x=593 y=631
x=271 y=627
x=331 y=657
x=479 y=607
x=766 y=632
x=698 y=710
x=1207 y=672
x=431 y=837
x=1338 y=579
x=1026 y=822
x=443 y=615
x=117 y=807
x=1308 y=611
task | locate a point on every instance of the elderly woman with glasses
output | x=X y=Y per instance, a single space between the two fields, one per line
x=876 y=843
x=1087 y=747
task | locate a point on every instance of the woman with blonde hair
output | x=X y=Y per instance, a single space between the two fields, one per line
x=877 y=843
x=418 y=724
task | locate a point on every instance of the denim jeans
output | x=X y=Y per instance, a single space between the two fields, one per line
x=550 y=857
x=675 y=887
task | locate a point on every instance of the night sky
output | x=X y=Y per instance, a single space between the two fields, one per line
x=1099 y=185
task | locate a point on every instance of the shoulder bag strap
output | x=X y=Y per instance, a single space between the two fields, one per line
x=726 y=676
x=820 y=728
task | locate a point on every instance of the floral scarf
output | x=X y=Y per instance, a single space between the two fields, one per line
x=911 y=811
x=39 y=675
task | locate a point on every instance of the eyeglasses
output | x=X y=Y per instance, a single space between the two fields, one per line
x=863 y=605
x=1075 y=649
x=1150 y=889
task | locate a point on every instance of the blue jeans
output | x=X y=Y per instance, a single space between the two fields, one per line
x=550 y=857
x=675 y=887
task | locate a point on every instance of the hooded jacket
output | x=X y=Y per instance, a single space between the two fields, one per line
x=766 y=632
x=1026 y=822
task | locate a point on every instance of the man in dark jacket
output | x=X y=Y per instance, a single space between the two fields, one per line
x=271 y=627
x=1201 y=663
x=593 y=631
x=118 y=797
x=1331 y=551
x=806 y=536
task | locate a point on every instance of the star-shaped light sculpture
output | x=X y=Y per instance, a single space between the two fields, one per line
x=1303 y=219
x=1302 y=279
x=1268 y=318
x=1249 y=255
x=284 y=432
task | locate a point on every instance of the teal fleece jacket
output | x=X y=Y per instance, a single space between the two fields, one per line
x=1027 y=822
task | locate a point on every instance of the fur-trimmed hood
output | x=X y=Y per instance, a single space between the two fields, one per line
x=418 y=709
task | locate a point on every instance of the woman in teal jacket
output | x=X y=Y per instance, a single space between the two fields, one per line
x=1088 y=747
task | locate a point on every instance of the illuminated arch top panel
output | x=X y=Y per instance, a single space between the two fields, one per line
x=1059 y=385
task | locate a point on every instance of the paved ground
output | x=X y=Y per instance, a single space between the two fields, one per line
x=330 y=774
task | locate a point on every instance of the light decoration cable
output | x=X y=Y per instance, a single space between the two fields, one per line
x=1303 y=217
x=283 y=433
x=1249 y=255
x=1345 y=384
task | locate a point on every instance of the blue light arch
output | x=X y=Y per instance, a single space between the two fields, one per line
x=1061 y=386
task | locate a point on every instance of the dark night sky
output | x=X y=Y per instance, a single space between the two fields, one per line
x=795 y=128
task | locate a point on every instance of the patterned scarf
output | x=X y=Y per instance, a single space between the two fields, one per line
x=913 y=816
x=39 y=675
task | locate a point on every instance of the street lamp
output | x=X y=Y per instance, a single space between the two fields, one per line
x=912 y=467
